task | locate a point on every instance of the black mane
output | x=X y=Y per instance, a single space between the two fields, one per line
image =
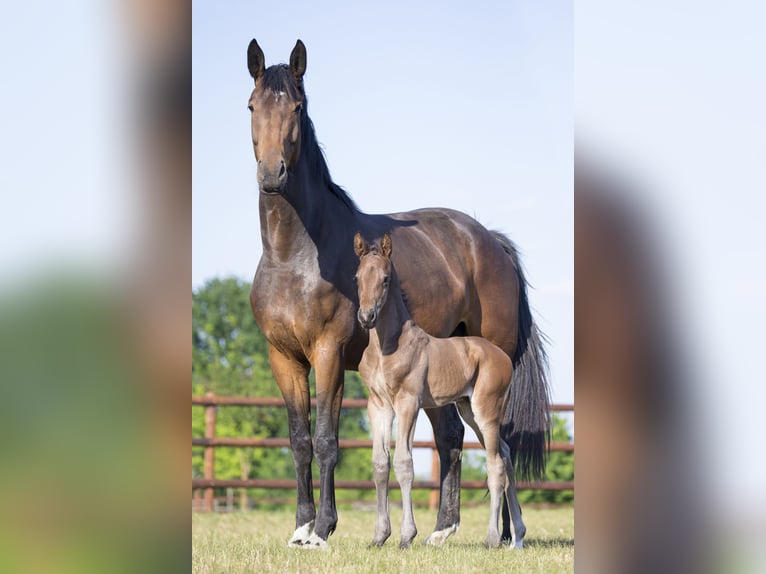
x=279 y=78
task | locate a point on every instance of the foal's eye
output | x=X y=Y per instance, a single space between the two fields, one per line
x=250 y=108
x=386 y=280
x=298 y=108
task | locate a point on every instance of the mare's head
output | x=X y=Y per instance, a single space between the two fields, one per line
x=275 y=106
x=373 y=278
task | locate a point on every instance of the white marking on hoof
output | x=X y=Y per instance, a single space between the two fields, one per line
x=315 y=543
x=301 y=535
x=438 y=537
x=516 y=544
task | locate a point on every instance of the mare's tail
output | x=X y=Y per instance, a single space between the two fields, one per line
x=526 y=421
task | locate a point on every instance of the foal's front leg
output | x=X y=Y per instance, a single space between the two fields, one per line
x=381 y=421
x=407 y=408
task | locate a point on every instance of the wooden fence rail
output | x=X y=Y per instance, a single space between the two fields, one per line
x=210 y=442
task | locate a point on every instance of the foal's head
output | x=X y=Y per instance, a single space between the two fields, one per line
x=275 y=106
x=373 y=278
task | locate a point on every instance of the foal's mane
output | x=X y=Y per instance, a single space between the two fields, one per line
x=279 y=78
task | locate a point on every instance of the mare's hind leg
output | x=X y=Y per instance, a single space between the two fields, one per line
x=511 y=509
x=292 y=379
x=407 y=408
x=381 y=421
x=448 y=435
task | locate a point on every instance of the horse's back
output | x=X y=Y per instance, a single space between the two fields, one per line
x=454 y=271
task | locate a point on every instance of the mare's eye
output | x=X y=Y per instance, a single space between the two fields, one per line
x=298 y=108
x=250 y=108
x=386 y=279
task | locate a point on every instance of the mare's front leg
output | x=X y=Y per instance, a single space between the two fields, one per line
x=448 y=435
x=407 y=407
x=292 y=378
x=328 y=365
x=381 y=422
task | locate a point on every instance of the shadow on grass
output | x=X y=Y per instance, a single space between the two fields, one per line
x=547 y=542
x=528 y=543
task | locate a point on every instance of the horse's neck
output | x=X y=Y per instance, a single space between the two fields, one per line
x=293 y=223
x=394 y=320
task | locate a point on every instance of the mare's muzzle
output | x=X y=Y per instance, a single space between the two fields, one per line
x=272 y=176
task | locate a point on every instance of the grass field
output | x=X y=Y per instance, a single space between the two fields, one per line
x=256 y=541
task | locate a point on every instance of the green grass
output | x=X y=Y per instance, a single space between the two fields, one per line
x=256 y=541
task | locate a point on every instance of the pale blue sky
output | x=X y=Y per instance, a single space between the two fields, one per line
x=416 y=104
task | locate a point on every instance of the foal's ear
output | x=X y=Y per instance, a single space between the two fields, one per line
x=385 y=245
x=360 y=246
x=298 y=61
x=255 y=60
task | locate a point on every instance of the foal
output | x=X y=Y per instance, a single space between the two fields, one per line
x=405 y=369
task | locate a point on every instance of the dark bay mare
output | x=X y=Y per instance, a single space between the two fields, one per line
x=406 y=369
x=457 y=279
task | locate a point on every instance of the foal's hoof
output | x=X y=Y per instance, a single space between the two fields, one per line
x=438 y=537
x=406 y=540
x=516 y=544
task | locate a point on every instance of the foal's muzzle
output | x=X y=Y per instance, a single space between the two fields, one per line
x=367 y=317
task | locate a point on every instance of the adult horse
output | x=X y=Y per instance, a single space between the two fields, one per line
x=457 y=278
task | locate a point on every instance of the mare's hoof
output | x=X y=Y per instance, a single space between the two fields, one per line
x=301 y=535
x=304 y=537
x=315 y=543
x=438 y=537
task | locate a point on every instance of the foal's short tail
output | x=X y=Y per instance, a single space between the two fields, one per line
x=526 y=420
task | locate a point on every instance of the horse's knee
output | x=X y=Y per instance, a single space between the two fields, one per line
x=302 y=449
x=452 y=436
x=326 y=450
x=403 y=468
x=381 y=465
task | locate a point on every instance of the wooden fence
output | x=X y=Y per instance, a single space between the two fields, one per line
x=210 y=442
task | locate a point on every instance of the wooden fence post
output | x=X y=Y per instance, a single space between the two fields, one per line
x=209 y=453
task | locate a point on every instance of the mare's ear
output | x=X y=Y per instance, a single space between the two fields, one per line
x=360 y=246
x=298 y=61
x=385 y=245
x=255 y=60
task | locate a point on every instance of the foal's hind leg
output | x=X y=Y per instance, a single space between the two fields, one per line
x=488 y=432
